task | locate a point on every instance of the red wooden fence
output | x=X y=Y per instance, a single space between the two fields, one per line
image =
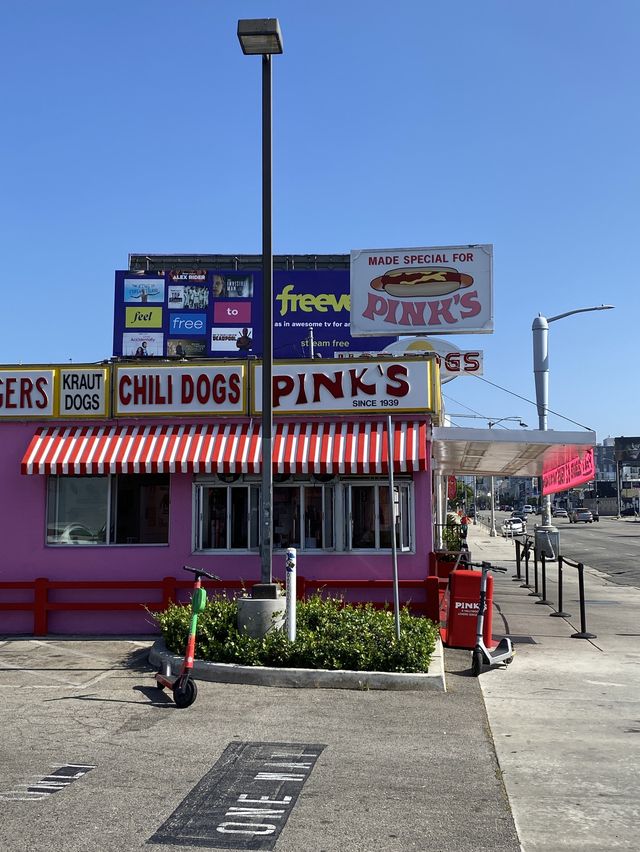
x=41 y=603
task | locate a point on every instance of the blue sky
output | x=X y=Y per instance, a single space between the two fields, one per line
x=135 y=127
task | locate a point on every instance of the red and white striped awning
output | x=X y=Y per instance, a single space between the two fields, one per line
x=333 y=448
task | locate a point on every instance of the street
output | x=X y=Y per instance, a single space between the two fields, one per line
x=95 y=757
x=611 y=546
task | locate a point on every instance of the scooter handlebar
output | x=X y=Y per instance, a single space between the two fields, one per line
x=200 y=573
x=489 y=565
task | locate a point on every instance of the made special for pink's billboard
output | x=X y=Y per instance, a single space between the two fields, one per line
x=441 y=290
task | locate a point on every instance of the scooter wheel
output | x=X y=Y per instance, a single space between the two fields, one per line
x=476 y=662
x=184 y=694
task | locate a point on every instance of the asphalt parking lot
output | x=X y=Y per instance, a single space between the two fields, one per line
x=95 y=757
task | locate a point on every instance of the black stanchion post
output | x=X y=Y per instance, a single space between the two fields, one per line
x=534 y=593
x=560 y=613
x=583 y=617
x=518 y=576
x=543 y=561
x=526 y=585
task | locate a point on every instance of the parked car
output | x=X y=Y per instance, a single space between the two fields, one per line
x=581 y=514
x=557 y=512
x=629 y=512
x=514 y=526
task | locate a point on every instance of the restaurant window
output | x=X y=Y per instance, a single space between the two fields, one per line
x=227 y=516
x=123 y=509
x=368 y=521
x=303 y=516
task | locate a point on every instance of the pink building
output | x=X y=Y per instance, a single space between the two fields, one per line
x=140 y=483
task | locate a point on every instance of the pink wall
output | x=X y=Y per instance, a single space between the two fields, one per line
x=26 y=557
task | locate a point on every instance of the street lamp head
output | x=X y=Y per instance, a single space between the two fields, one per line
x=493 y=423
x=260 y=36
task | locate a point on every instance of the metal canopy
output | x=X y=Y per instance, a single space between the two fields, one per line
x=504 y=452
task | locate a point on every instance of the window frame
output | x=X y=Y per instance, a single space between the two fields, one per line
x=404 y=520
x=198 y=505
x=110 y=514
x=337 y=493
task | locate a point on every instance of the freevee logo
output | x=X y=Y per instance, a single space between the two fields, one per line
x=187 y=324
x=308 y=302
x=143 y=318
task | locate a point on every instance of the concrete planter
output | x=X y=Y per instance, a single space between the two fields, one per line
x=433 y=680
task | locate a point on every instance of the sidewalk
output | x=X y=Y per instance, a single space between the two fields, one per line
x=564 y=714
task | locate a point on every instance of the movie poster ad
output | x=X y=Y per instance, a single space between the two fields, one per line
x=142 y=345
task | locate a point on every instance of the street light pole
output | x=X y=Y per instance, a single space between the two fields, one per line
x=262 y=37
x=491 y=424
x=267 y=326
x=540 y=330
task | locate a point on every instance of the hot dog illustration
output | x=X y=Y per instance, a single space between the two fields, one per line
x=422 y=281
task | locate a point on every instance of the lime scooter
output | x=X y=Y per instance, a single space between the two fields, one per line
x=504 y=651
x=183 y=685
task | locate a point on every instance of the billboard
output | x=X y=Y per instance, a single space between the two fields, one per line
x=217 y=313
x=441 y=290
x=627 y=451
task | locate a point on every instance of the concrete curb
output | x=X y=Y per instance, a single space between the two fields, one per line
x=433 y=680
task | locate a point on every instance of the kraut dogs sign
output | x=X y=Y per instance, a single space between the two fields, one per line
x=426 y=290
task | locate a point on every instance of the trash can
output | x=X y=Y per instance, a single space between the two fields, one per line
x=547 y=541
x=459 y=613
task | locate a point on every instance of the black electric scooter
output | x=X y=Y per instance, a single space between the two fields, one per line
x=183 y=685
x=481 y=655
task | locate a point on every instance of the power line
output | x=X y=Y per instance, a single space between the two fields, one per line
x=524 y=399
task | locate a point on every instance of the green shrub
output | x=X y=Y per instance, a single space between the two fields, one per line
x=330 y=634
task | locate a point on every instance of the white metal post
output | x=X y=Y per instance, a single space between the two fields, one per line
x=492 y=529
x=394 y=550
x=291 y=594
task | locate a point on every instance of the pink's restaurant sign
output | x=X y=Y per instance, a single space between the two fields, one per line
x=577 y=470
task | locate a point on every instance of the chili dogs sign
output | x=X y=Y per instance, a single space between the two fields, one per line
x=190 y=390
x=319 y=387
x=425 y=290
